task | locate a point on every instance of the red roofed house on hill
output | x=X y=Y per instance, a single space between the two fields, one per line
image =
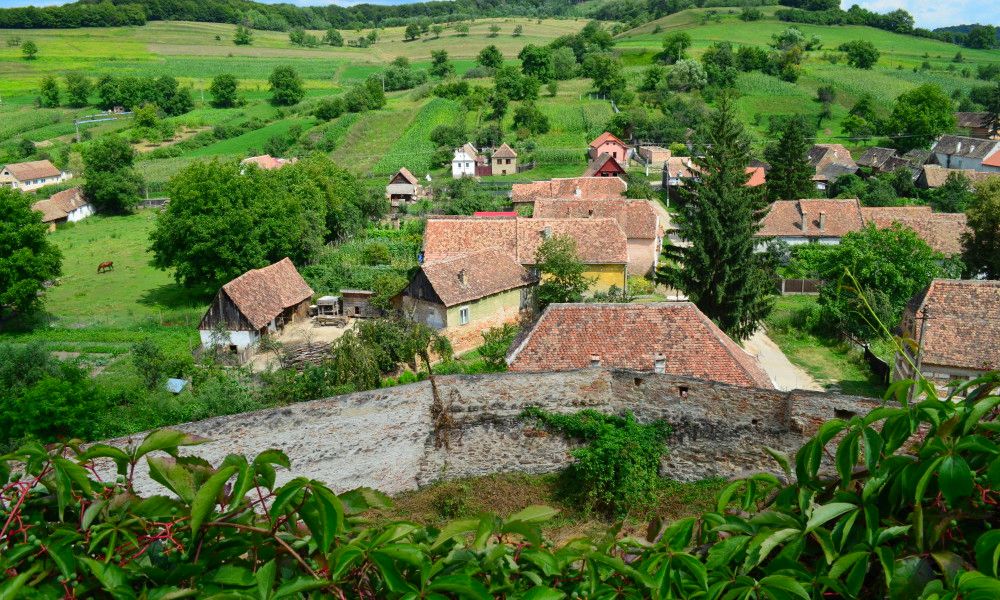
x=830 y=161
x=805 y=221
x=637 y=218
x=268 y=162
x=607 y=143
x=256 y=303
x=604 y=165
x=67 y=206
x=569 y=187
x=665 y=337
x=28 y=176
x=942 y=231
x=955 y=325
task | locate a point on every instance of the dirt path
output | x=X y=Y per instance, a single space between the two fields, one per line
x=782 y=372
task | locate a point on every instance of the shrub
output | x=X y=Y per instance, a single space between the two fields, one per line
x=618 y=469
x=496 y=343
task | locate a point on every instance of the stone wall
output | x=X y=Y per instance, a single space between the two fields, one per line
x=385 y=439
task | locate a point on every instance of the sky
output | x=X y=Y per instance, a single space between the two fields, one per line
x=928 y=13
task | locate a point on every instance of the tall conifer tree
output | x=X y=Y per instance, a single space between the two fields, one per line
x=790 y=177
x=719 y=271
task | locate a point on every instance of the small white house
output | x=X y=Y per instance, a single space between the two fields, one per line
x=67 y=206
x=465 y=161
x=28 y=176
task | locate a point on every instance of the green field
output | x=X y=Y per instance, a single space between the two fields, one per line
x=87 y=311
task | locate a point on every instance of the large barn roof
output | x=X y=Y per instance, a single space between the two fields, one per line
x=262 y=294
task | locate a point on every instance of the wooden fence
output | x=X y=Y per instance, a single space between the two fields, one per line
x=798 y=286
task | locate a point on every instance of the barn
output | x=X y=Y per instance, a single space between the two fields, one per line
x=255 y=304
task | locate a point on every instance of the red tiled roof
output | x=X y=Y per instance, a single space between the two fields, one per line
x=495 y=213
x=758 y=176
x=963 y=324
x=588 y=187
x=475 y=275
x=680 y=166
x=631 y=336
x=784 y=219
x=261 y=294
x=604 y=162
x=605 y=138
x=406 y=175
x=993 y=160
x=831 y=161
x=59 y=205
x=36 y=169
x=267 y=162
x=599 y=241
x=504 y=151
x=636 y=217
x=942 y=231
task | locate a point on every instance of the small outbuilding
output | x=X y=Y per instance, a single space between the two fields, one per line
x=67 y=206
x=404 y=188
x=255 y=304
x=604 y=165
x=358 y=303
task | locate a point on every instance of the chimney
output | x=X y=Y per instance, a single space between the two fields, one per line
x=595 y=360
x=822 y=220
x=577 y=192
x=590 y=212
x=659 y=363
x=461 y=277
x=805 y=219
x=546 y=233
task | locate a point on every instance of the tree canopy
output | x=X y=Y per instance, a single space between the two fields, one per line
x=112 y=184
x=982 y=242
x=790 y=177
x=286 y=86
x=919 y=116
x=27 y=258
x=562 y=272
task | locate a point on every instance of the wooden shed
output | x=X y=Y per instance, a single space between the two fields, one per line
x=255 y=304
x=357 y=303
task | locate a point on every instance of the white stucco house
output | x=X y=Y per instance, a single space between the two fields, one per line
x=67 y=206
x=465 y=161
x=28 y=176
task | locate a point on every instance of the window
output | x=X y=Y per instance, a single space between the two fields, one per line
x=463 y=315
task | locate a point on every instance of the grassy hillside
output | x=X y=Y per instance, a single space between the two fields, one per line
x=764 y=95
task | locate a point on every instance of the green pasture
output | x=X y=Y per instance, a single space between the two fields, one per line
x=414 y=149
x=251 y=142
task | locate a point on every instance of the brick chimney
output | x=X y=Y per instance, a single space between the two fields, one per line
x=595 y=360
x=805 y=219
x=659 y=363
x=822 y=220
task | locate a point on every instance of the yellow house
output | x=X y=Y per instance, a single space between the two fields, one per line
x=465 y=295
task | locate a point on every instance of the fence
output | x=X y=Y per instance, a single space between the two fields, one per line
x=799 y=286
x=526 y=167
x=154 y=202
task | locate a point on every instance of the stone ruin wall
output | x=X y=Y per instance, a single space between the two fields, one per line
x=385 y=438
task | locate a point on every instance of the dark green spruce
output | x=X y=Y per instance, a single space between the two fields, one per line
x=719 y=271
x=790 y=177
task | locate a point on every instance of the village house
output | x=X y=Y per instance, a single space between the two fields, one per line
x=607 y=143
x=464 y=296
x=604 y=165
x=522 y=194
x=883 y=160
x=654 y=156
x=664 y=337
x=267 y=162
x=955 y=328
x=257 y=303
x=934 y=176
x=503 y=161
x=467 y=162
x=67 y=206
x=830 y=161
x=811 y=221
x=28 y=176
x=676 y=169
x=978 y=124
x=959 y=152
x=403 y=189
x=942 y=231
x=637 y=218
x=601 y=243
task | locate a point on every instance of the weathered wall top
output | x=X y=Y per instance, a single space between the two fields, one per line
x=385 y=438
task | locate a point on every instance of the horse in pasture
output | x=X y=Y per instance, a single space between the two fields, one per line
x=105 y=266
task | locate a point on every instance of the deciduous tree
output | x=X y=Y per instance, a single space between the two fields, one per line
x=112 y=184
x=981 y=244
x=78 y=88
x=861 y=54
x=27 y=257
x=490 y=57
x=286 y=86
x=563 y=274
x=919 y=116
x=224 y=90
x=440 y=65
x=48 y=93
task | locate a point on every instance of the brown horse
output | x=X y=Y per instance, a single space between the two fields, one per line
x=105 y=266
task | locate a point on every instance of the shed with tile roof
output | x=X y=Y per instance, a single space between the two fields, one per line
x=256 y=303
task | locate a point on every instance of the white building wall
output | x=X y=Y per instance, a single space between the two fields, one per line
x=462 y=165
x=240 y=339
x=80 y=214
